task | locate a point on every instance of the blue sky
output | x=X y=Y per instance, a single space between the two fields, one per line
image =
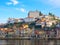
x=20 y=8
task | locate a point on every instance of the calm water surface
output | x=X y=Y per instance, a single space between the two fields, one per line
x=29 y=42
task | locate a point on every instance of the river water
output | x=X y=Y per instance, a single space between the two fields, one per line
x=29 y=42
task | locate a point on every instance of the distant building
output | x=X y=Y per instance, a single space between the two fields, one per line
x=38 y=22
x=21 y=20
x=2 y=34
x=34 y=14
x=58 y=33
x=48 y=17
x=48 y=24
x=18 y=20
x=29 y=19
x=58 y=25
x=12 y=20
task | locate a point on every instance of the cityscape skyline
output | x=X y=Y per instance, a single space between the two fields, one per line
x=20 y=8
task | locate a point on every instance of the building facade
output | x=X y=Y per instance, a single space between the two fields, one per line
x=33 y=14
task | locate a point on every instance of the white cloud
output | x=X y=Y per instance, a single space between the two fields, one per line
x=21 y=9
x=9 y=3
x=14 y=2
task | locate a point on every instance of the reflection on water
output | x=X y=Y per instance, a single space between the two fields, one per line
x=30 y=42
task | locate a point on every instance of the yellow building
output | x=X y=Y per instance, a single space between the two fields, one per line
x=25 y=26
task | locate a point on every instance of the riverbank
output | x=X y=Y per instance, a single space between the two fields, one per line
x=28 y=38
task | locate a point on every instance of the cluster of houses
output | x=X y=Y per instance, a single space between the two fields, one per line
x=41 y=28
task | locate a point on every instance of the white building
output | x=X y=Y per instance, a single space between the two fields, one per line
x=12 y=20
x=58 y=25
x=20 y=20
x=48 y=24
x=29 y=19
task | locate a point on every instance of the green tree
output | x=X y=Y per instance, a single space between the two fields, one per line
x=53 y=26
x=52 y=15
x=40 y=13
x=10 y=25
